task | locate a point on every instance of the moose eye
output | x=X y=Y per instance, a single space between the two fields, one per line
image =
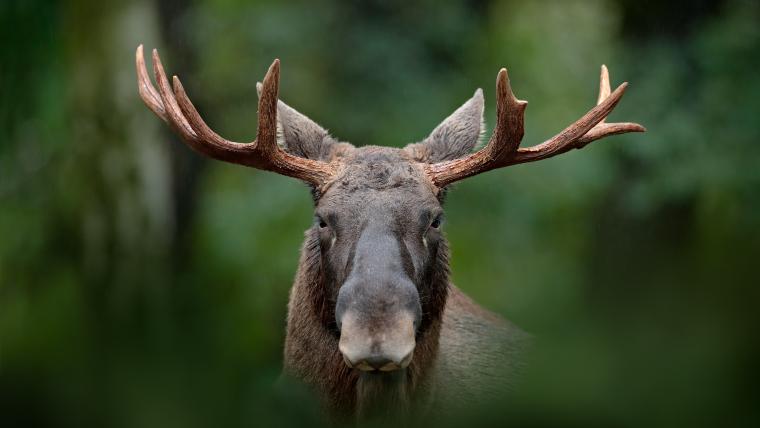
x=436 y=223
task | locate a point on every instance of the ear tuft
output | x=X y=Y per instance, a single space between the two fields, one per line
x=456 y=136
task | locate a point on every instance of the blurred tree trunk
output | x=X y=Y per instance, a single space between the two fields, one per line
x=138 y=217
x=122 y=169
x=187 y=166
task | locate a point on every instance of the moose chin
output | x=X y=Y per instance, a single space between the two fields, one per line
x=375 y=326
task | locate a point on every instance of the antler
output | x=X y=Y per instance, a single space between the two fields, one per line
x=176 y=109
x=503 y=147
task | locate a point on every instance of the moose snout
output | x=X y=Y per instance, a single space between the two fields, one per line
x=386 y=346
x=378 y=308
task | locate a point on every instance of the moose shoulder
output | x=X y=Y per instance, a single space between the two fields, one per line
x=374 y=324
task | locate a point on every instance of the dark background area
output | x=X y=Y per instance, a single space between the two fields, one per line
x=142 y=285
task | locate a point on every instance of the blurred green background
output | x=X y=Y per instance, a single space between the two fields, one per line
x=142 y=285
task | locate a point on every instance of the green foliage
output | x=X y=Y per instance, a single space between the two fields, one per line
x=140 y=286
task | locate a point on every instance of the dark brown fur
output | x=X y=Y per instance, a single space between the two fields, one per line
x=311 y=347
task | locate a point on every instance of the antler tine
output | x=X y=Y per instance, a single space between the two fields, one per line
x=266 y=148
x=604 y=85
x=147 y=92
x=194 y=118
x=598 y=128
x=603 y=129
x=566 y=139
x=177 y=121
x=501 y=147
x=174 y=107
x=502 y=150
x=510 y=118
x=266 y=136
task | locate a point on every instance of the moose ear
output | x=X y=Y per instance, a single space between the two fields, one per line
x=456 y=136
x=301 y=136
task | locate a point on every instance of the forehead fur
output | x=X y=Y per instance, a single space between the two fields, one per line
x=379 y=168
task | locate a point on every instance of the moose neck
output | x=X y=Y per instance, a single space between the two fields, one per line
x=311 y=344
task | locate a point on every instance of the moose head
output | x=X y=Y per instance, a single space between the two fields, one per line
x=373 y=286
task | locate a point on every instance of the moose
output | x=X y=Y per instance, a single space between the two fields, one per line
x=374 y=324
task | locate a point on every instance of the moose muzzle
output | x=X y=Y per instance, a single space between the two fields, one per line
x=378 y=307
x=385 y=345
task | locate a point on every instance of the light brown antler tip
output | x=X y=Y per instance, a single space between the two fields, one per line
x=147 y=92
x=504 y=89
x=176 y=83
x=275 y=67
x=157 y=64
x=604 y=84
x=139 y=59
x=272 y=78
x=502 y=79
x=158 y=67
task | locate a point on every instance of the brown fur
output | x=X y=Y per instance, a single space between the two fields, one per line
x=462 y=351
x=459 y=331
x=311 y=346
x=461 y=348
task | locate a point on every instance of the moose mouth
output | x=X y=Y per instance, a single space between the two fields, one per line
x=379 y=364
